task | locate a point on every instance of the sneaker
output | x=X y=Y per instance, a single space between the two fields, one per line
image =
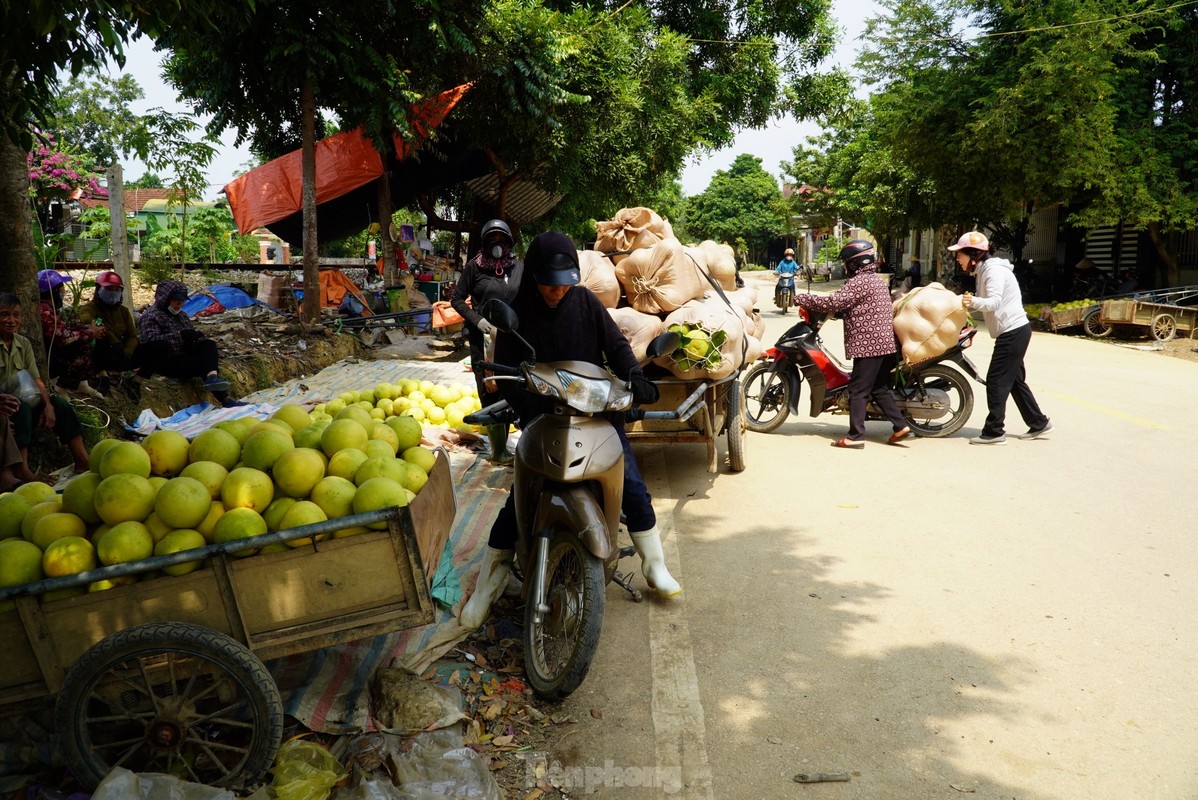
x=1000 y=439
x=1036 y=434
x=214 y=383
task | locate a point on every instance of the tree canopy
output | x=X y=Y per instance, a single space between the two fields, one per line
x=742 y=202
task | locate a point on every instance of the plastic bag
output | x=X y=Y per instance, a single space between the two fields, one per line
x=437 y=765
x=121 y=784
x=26 y=388
x=305 y=771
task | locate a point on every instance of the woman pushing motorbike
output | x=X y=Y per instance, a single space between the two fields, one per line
x=564 y=321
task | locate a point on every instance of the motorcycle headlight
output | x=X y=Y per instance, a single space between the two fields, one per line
x=586 y=394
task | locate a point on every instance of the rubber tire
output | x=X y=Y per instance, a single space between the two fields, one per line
x=761 y=374
x=939 y=372
x=787 y=299
x=227 y=657
x=736 y=429
x=1163 y=327
x=559 y=683
x=1094 y=326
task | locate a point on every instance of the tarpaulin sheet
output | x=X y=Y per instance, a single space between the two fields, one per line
x=344 y=162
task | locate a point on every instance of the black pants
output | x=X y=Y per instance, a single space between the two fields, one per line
x=1006 y=377
x=871 y=378
x=110 y=357
x=194 y=360
x=66 y=423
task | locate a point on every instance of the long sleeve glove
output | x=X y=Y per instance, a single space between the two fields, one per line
x=644 y=392
x=486 y=327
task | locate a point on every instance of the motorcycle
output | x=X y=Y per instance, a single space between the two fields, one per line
x=784 y=292
x=934 y=398
x=568 y=488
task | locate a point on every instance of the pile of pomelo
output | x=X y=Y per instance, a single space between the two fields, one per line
x=432 y=404
x=237 y=479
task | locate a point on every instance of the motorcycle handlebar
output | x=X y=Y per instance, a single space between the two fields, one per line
x=498 y=369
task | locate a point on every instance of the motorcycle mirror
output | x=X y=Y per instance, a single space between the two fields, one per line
x=501 y=315
x=663 y=344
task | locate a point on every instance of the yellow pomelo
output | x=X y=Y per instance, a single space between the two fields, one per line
x=276 y=425
x=400 y=405
x=442 y=395
x=20 y=562
x=294 y=416
x=277 y=547
x=98 y=450
x=436 y=415
x=157 y=528
x=305 y=512
x=378 y=493
x=177 y=542
x=215 y=512
x=407 y=432
x=421 y=457
x=409 y=385
x=309 y=437
x=416 y=397
x=234 y=427
x=416 y=413
x=263 y=448
x=334 y=406
x=209 y=473
x=365 y=405
x=52 y=527
x=343 y=433
x=125 y=458
x=167 y=451
x=68 y=556
x=275 y=511
x=335 y=496
x=125 y=543
x=386 y=405
x=344 y=463
x=247 y=488
x=349 y=398
x=298 y=470
x=100 y=530
x=157 y=481
x=239 y=523
x=416 y=478
x=341 y=534
x=111 y=583
x=383 y=391
x=377 y=414
x=243 y=426
x=182 y=503
x=35 y=491
x=215 y=445
x=357 y=414
x=33 y=515
x=122 y=497
x=426 y=387
x=366 y=396
x=382 y=432
x=376 y=448
x=12 y=510
x=386 y=467
x=454 y=415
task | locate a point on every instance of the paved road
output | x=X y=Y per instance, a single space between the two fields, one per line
x=938 y=620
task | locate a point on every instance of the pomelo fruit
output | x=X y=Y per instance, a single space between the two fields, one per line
x=12 y=510
x=277 y=547
x=357 y=414
x=215 y=512
x=263 y=448
x=124 y=543
x=335 y=496
x=334 y=406
x=239 y=523
x=20 y=562
x=416 y=413
x=304 y=512
x=157 y=528
x=99 y=532
x=344 y=463
x=343 y=433
x=209 y=473
x=247 y=488
x=167 y=451
x=376 y=448
x=298 y=470
x=416 y=478
x=294 y=416
x=97 y=452
x=125 y=458
x=309 y=437
x=33 y=515
x=426 y=387
x=379 y=493
x=421 y=457
x=275 y=511
x=52 y=527
x=387 y=467
x=68 y=556
x=215 y=445
x=435 y=415
x=382 y=431
x=176 y=542
x=105 y=584
x=35 y=491
x=183 y=502
x=341 y=534
x=157 y=481
x=124 y=497
x=276 y=425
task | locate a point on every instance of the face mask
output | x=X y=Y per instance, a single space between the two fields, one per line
x=109 y=296
x=175 y=311
x=496 y=251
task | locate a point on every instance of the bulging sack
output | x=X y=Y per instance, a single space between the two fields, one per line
x=714 y=340
x=599 y=275
x=928 y=321
x=721 y=263
x=631 y=229
x=639 y=329
x=661 y=278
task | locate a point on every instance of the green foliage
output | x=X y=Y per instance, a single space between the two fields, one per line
x=148 y=180
x=741 y=203
x=155 y=268
x=91 y=111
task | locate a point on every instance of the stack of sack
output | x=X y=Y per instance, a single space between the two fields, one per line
x=927 y=321
x=651 y=282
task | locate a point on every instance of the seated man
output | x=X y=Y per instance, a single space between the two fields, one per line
x=13 y=469
x=118 y=338
x=16 y=355
x=170 y=345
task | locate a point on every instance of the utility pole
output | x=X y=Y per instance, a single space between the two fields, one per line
x=119 y=240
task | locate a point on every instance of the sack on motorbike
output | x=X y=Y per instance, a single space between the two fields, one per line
x=927 y=321
x=714 y=340
x=631 y=229
x=720 y=263
x=638 y=328
x=599 y=275
x=661 y=278
x=745 y=299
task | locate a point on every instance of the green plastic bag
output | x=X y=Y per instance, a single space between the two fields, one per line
x=305 y=771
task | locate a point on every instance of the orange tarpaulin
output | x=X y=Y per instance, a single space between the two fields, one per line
x=344 y=162
x=334 y=286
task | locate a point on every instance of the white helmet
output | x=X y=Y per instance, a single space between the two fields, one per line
x=974 y=240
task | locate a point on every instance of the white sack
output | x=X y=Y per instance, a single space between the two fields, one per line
x=631 y=229
x=721 y=263
x=660 y=279
x=599 y=275
x=639 y=329
x=928 y=321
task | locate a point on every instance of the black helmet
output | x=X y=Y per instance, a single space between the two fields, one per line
x=497 y=225
x=553 y=260
x=858 y=252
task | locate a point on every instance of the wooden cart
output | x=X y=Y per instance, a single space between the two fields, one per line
x=166 y=674
x=1164 y=313
x=696 y=412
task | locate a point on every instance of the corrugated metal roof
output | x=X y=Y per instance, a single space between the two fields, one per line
x=525 y=200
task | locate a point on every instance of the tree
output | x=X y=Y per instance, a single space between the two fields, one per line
x=740 y=202
x=91 y=111
x=148 y=180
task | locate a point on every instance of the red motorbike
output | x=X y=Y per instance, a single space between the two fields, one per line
x=935 y=399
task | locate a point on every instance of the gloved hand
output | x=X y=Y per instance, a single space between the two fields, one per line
x=644 y=392
x=487 y=328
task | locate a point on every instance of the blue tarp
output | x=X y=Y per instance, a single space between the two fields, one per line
x=228 y=296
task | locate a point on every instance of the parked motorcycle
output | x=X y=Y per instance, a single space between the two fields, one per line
x=784 y=292
x=568 y=488
x=935 y=399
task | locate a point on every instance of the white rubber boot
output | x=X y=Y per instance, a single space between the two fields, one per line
x=653 y=563
x=497 y=565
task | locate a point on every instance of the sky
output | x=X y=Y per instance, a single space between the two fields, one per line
x=773 y=144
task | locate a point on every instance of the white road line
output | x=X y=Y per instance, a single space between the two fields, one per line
x=680 y=735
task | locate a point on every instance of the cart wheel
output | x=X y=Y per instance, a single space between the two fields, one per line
x=1093 y=325
x=736 y=429
x=174 y=698
x=1164 y=327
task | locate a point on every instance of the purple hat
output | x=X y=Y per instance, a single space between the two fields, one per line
x=47 y=279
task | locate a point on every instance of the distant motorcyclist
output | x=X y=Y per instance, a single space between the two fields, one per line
x=788 y=265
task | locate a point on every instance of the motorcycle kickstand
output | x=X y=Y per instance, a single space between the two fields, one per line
x=624 y=579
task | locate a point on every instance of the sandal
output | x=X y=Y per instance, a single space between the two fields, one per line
x=851 y=444
x=898 y=436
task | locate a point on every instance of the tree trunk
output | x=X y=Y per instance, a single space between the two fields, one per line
x=390 y=266
x=310 y=310
x=1168 y=261
x=18 y=268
